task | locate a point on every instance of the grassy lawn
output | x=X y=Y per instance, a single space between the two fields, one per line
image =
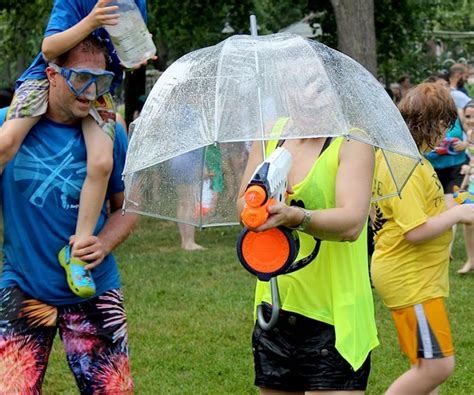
x=190 y=319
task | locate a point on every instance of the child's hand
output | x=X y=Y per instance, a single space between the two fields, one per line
x=466 y=213
x=103 y=15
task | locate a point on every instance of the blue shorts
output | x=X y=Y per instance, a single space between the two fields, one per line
x=299 y=354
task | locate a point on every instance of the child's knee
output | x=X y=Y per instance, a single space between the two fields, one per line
x=446 y=368
x=9 y=145
x=99 y=166
x=440 y=369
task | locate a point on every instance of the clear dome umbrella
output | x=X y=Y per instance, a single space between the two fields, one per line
x=189 y=147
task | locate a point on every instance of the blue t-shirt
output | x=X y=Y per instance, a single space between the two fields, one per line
x=449 y=160
x=40 y=190
x=65 y=14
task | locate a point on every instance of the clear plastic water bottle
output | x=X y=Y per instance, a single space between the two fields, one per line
x=130 y=36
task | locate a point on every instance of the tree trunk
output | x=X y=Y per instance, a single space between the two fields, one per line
x=356 y=31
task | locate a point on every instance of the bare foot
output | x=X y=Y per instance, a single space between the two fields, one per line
x=192 y=247
x=466 y=268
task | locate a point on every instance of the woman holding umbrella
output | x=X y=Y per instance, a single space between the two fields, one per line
x=326 y=328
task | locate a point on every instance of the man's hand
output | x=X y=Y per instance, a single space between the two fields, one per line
x=91 y=250
x=103 y=15
x=138 y=65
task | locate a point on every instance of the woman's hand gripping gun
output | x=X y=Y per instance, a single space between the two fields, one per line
x=267 y=185
x=271 y=252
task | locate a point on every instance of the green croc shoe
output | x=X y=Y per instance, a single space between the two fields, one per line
x=79 y=279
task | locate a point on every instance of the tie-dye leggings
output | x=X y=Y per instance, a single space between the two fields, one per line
x=94 y=334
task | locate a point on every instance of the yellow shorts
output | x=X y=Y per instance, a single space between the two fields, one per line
x=423 y=330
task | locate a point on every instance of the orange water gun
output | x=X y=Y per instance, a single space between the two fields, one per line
x=269 y=253
x=267 y=186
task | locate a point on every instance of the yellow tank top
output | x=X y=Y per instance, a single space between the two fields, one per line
x=334 y=288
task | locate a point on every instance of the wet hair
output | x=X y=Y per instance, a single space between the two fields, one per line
x=424 y=108
x=89 y=45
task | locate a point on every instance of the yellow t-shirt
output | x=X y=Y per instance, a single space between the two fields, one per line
x=334 y=288
x=403 y=273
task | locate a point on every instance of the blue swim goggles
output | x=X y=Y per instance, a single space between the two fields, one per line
x=80 y=80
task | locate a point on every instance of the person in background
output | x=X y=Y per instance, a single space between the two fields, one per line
x=411 y=258
x=40 y=190
x=458 y=75
x=396 y=92
x=448 y=160
x=405 y=85
x=468 y=172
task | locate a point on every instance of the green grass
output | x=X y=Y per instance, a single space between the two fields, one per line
x=190 y=319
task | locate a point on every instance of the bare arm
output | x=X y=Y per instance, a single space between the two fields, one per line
x=353 y=192
x=116 y=229
x=435 y=226
x=59 y=43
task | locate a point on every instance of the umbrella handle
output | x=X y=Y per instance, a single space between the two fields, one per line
x=266 y=326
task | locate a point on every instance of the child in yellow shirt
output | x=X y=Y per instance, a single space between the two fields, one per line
x=411 y=257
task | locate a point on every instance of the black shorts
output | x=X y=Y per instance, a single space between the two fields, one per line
x=299 y=354
x=451 y=176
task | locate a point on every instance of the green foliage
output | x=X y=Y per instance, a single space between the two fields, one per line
x=400 y=28
x=22 y=26
x=194 y=25
x=404 y=30
x=272 y=15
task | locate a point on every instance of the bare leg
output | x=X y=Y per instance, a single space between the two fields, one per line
x=423 y=378
x=99 y=166
x=12 y=134
x=188 y=242
x=185 y=211
x=469 y=243
x=450 y=203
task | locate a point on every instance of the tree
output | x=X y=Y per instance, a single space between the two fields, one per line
x=356 y=31
x=22 y=24
x=195 y=25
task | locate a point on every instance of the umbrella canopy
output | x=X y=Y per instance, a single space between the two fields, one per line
x=191 y=140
